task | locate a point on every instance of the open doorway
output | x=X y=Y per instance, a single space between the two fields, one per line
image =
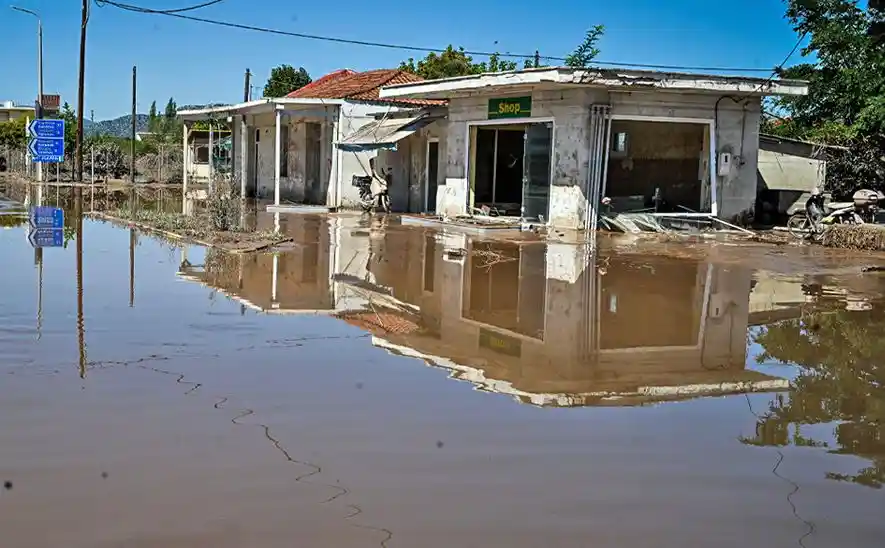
x=432 y=176
x=659 y=166
x=510 y=169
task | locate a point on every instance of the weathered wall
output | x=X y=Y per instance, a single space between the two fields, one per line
x=737 y=132
x=569 y=109
x=409 y=163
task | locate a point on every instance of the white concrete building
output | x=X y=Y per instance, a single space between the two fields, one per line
x=285 y=148
x=547 y=144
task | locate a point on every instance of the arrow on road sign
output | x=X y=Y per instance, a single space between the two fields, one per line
x=46 y=150
x=46 y=128
x=46 y=217
x=46 y=237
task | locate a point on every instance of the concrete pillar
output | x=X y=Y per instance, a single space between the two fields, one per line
x=242 y=144
x=184 y=163
x=211 y=167
x=276 y=157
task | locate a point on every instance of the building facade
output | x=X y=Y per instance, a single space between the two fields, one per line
x=547 y=144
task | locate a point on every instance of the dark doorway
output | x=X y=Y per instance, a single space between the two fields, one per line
x=499 y=168
x=432 y=175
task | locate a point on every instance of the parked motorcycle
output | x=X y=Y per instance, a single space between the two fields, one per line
x=817 y=215
x=369 y=201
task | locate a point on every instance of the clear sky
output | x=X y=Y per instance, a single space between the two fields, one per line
x=199 y=63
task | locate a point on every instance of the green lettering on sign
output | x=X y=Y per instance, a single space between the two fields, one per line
x=499 y=343
x=510 y=107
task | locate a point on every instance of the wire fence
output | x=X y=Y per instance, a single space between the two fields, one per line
x=102 y=163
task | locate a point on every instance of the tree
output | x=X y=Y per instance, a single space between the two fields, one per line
x=12 y=134
x=153 y=118
x=846 y=100
x=587 y=51
x=70 y=117
x=171 y=110
x=456 y=62
x=284 y=79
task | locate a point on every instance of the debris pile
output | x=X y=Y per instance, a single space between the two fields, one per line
x=865 y=237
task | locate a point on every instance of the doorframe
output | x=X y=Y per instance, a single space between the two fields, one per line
x=427 y=170
x=512 y=121
x=709 y=122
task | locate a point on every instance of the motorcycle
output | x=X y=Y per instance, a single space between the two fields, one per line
x=368 y=200
x=817 y=215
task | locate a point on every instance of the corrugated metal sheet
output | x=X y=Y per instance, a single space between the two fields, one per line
x=780 y=171
x=385 y=133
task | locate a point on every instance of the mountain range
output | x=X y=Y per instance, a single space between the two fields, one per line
x=118 y=127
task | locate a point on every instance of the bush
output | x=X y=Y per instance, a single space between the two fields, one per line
x=223 y=206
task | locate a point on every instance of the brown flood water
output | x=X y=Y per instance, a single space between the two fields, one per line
x=369 y=385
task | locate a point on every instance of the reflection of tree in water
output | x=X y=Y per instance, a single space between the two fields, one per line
x=843 y=382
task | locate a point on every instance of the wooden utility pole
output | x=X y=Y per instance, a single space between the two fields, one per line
x=78 y=148
x=132 y=135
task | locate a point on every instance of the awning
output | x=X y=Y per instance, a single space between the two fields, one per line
x=385 y=133
x=780 y=171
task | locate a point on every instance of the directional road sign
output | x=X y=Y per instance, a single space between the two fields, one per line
x=47 y=143
x=47 y=129
x=47 y=150
x=46 y=217
x=46 y=237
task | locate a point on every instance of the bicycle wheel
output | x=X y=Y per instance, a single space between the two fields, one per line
x=798 y=226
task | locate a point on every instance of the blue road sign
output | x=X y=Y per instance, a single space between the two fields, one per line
x=46 y=217
x=44 y=150
x=46 y=237
x=44 y=128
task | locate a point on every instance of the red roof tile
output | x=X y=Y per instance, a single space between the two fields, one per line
x=360 y=86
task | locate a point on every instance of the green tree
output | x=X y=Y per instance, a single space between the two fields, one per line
x=846 y=100
x=12 y=134
x=456 y=62
x=171 y=110
x=153 y=118
x=70 y=117
x=285 y=79
x=587 y=51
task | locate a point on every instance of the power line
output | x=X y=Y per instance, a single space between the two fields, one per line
x=418 y=49
x=139 y=9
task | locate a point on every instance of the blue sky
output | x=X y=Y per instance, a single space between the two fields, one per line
x=198 y=63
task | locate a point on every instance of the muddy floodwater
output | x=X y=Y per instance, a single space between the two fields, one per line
x=370 y=384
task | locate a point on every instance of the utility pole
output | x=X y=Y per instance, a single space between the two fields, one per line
x=78 y=153
x=38 y=110
x=132 y=144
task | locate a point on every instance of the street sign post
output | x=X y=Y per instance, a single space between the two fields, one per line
x=46 y=217
x=46 y=237
x=47 y=144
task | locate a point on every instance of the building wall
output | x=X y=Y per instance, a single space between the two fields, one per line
x=737 y=131
x=409 y=164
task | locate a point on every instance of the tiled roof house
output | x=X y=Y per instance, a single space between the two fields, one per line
x=360 y=86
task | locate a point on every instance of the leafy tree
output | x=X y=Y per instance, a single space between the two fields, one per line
x=70 y=117
x=587 y=51
x=846 y=100
x=285 y=79
x=153 y=118
x=456 y=62
x=171 y=110
x=12 y=134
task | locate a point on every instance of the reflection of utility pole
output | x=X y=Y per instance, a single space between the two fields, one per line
x=131 y=267
x=81 y=335
x=38 y=258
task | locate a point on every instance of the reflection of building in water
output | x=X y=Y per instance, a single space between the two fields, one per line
x=530 y=320
x=298 y=280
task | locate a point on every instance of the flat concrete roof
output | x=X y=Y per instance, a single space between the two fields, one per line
x=255 y=107
x=634 y=80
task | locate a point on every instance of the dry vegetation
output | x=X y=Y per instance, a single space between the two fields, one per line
x=865 y=237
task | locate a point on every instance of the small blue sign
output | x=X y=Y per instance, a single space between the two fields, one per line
x=47 y=129
x=47 y=150
x=46 y=237
x=47 y=217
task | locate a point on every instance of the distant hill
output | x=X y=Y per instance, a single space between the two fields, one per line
x=118 y=127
